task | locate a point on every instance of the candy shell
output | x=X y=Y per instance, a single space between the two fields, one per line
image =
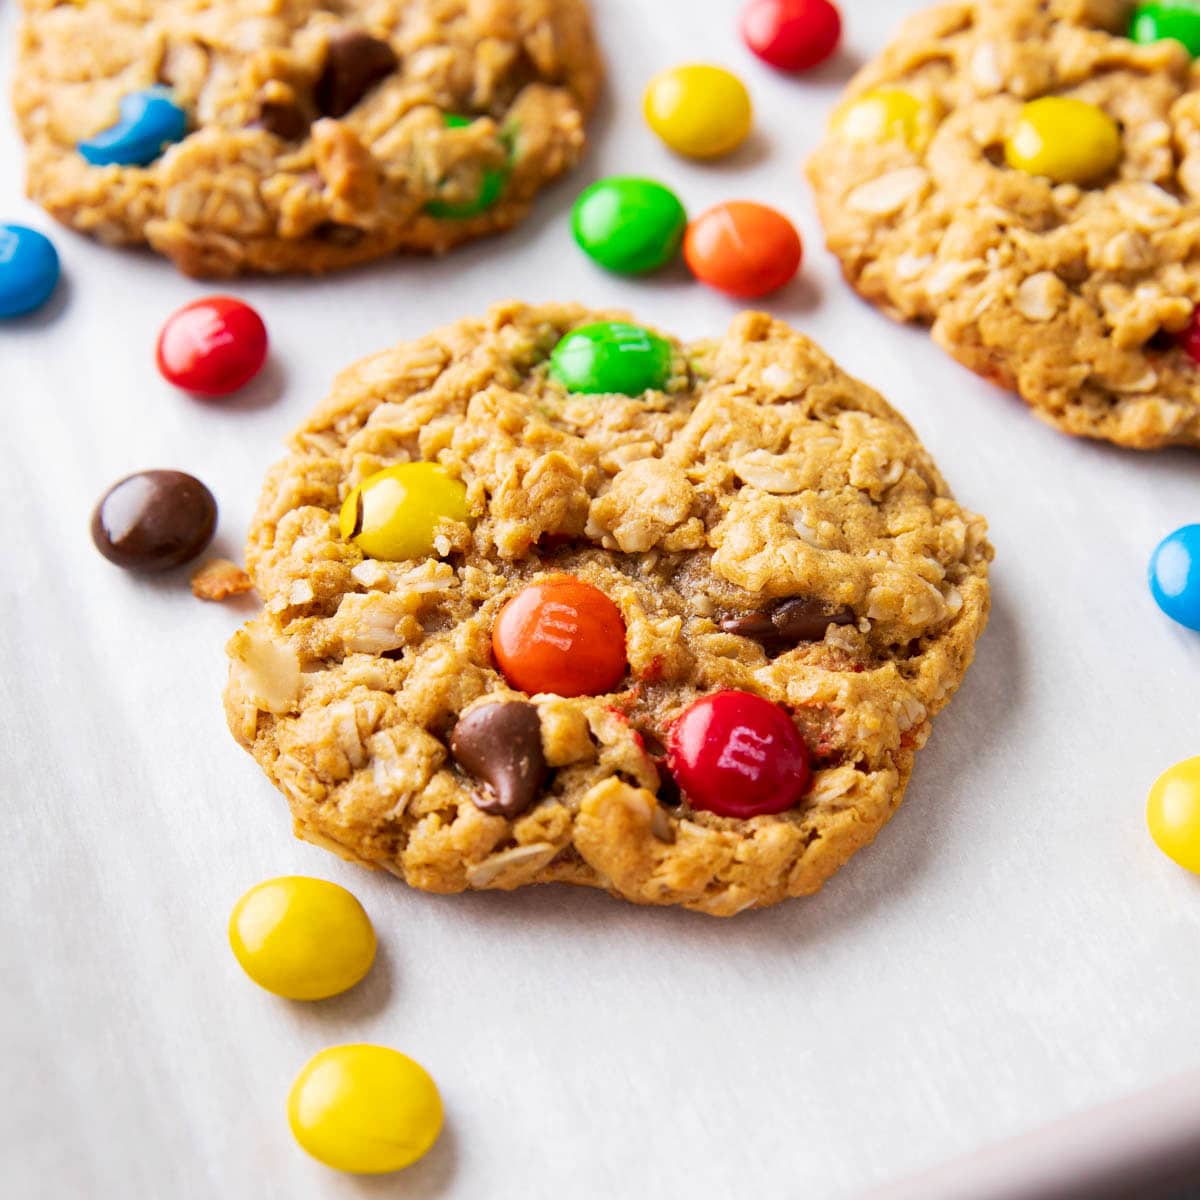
x=29 y=270
x=149 y=122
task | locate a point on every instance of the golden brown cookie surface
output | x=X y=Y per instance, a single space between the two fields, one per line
x=317 y=133
x=760 y=483
x=1072 y=293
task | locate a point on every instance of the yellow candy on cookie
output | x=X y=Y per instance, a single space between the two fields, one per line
x=1065 y=140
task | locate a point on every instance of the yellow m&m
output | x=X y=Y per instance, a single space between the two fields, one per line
x=302 y=938
x=395 y=513
x=1173 y=813
x=365 y=1109
x=699 y=111
x=1065 y=140
x=883 y=115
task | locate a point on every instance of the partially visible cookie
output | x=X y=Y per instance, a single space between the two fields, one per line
x=1054 y=250
x=316 y=135
x=749 y=539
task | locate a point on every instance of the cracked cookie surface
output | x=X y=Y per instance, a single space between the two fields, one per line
x=320 y=135
x=1075 y=295
x=763 y=523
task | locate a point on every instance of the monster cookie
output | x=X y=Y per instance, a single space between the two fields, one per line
x=549 y=596
x=1024 y=177
x=293 y=135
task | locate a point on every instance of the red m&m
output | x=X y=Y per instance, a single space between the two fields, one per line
x=743 y=249
x=738 y=755
x=792 y=35
x=213 y=346
x=561 y=636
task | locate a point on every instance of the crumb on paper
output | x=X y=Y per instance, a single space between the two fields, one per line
x=219 y=579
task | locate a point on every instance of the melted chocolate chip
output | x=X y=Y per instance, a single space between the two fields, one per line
x=502 y=745
x=354 y=63
x=787 y=624
x=284 y=119
x=154 y=520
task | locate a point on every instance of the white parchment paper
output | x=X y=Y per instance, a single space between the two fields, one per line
x=1013 y=948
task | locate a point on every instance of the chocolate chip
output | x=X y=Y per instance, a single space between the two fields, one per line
x=154 y=520
x=801 y=619
x=354 y=63
x=502 y=745
x=339 y=235
x=284 y=119
x=668 y=790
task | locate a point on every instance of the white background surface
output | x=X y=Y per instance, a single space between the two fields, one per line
x=1013 y=947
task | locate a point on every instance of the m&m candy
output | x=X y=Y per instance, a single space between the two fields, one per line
x=154 y=520
x=302 y=938
x=738 y=755
x=1064 y=139
x=792 y=35
x=561 y=636
x=29 y=270
x=365 y=1109
x=149 y=121
x=627 y=225
x=742 y=249
x=491 y=185
x=612 y=357
x=212 y=346
x=881 y=115
x=1178 y=19
x=396 y=513
x=1175 y=576
x=700 y=111
x=1173 y=813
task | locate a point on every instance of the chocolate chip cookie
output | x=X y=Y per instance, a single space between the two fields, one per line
x=1024 y=178
x=299 y=136
x=552 y=597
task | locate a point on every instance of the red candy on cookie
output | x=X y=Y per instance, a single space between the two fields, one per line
x=792 y=35
x=738 y=755
x=561 y=636
x=213 y=346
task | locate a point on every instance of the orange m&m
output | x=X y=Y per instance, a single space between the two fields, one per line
x=742 y=248
x=561 y=636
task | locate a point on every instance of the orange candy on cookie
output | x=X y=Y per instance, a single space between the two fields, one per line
x=561 y=636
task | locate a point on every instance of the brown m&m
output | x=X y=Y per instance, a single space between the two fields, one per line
x=154 y=520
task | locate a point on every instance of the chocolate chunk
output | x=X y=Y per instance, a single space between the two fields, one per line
x=354 y=63
x=154 y=520
x=502 y=745
x=801 y=619
x=282 y=118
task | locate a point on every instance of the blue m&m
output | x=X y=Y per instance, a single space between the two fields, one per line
x=28 y=270
x=150 y=121
x=1175 y=576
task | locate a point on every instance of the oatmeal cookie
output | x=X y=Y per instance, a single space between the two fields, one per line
x=735 y=530
x=1054 y=249
x=315 y=135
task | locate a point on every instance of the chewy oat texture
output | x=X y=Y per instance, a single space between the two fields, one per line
x=761 y=473
x=1068 y=294
x=317 y=131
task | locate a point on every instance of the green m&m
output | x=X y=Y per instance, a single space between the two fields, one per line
x=612 y=357
x=1178 y=19
x=627 y=225
x=490 y=186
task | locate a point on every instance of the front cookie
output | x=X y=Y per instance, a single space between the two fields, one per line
x=1025 y=179
x=551 y=597
x=299 y=136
